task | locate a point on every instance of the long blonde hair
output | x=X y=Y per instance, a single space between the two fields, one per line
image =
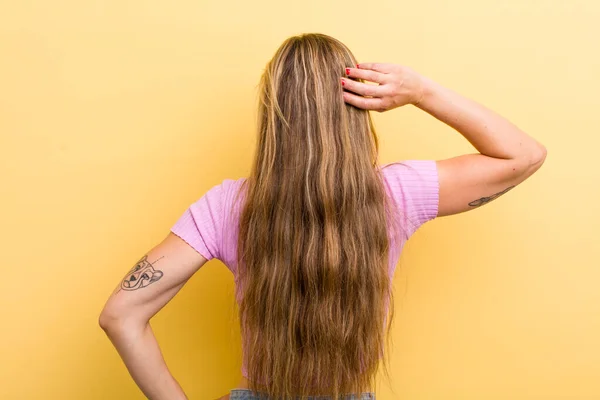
x=313 y=242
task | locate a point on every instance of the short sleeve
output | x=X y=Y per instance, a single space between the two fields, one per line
x=414 y=186
x=201 y=225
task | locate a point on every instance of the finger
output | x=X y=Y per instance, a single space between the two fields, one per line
x=367 y=75
x=384 y=68
x=363 y=102
x=364 y=89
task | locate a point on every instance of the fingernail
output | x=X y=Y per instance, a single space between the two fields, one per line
x=357 y=66
x=343 y=82
x=347 y=71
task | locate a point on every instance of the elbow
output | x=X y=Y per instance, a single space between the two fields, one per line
x=537 y=158
x=527 y=164
x=107 y=320
x=113 y=319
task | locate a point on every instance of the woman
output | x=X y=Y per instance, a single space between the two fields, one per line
x=318 y=224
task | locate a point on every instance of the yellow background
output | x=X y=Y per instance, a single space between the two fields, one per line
x=116 y=115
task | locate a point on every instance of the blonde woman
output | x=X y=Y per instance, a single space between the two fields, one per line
x=313 y=235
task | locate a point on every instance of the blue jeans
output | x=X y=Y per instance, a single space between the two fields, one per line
x=247 y=394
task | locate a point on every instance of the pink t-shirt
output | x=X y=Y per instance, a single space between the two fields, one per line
x=208 y=225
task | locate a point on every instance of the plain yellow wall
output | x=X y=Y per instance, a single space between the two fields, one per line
x=116 y=115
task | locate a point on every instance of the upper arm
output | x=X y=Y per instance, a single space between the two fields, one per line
x=153 y=281
x=472 y=180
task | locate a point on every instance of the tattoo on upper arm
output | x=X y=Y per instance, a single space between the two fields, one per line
x=485 y=200
x=141 y=275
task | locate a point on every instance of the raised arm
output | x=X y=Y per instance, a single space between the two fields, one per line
x=507 y=156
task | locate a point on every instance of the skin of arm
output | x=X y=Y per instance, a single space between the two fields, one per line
x=507 y=155
x=148 y=287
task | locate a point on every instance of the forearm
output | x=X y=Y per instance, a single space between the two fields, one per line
x=137 y=346
x=488 y=132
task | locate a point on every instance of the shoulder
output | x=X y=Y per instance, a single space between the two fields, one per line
x=409 y=169
x=414 y=187
x=206 y=221
x=411 y=175
x=223 y=191
x=231 y=189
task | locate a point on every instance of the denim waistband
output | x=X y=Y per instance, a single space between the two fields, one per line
x=247 y=394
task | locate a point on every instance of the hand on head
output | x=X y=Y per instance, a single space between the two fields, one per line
x=397 y=85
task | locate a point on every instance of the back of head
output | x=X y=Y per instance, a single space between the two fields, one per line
x=313 y=239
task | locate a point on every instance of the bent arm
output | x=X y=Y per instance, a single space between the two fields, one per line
x=507 y=156
x=148 y=287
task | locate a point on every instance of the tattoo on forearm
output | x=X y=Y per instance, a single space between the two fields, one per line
x=141 y=275
x=485 y=200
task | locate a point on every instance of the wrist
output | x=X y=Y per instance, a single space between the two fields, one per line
x=424 y=89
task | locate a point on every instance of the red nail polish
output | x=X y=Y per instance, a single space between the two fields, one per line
x=357 y=66
x=347 y=71
x=343 y=83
